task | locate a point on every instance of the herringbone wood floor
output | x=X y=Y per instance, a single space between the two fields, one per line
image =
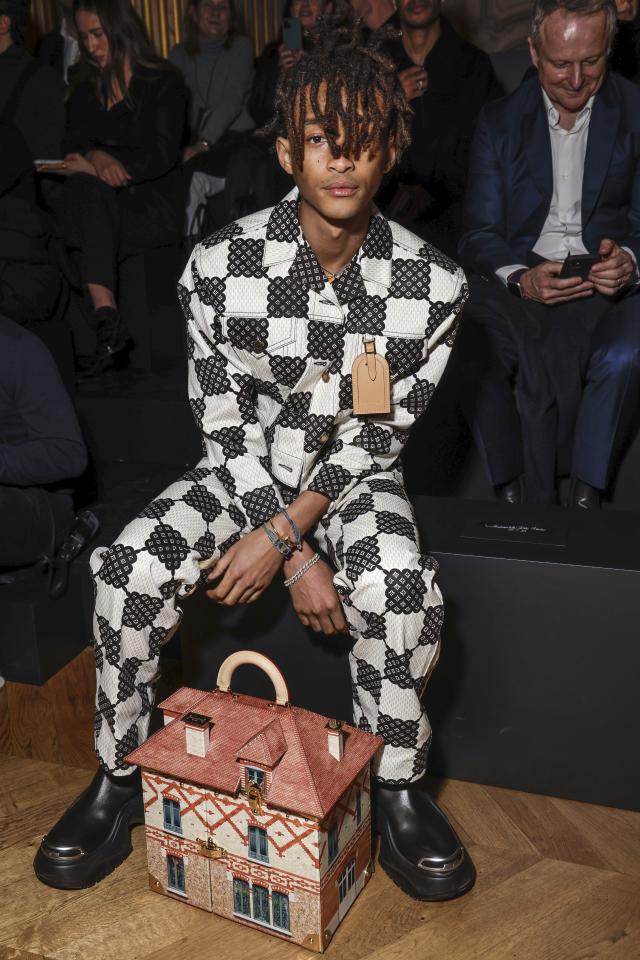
x=557 y=881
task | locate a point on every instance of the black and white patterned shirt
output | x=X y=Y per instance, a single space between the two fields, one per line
x=271 y=346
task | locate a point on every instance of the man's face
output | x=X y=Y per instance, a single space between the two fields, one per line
x=572 y=57
x=418 y=14
x=213 y=18
x=308 y=11
x=337 y=188
x=373 y=12
x=627 y=9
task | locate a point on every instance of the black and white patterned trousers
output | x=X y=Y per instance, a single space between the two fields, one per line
x=392 y=606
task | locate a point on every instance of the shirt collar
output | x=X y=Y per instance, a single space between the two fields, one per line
x=553 y=115
x=284 y=243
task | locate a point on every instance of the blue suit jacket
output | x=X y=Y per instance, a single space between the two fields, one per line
x=510 y=182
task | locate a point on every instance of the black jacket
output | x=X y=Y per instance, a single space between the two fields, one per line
x=145 y=138
x=35 y=105
x=40 y=439
x=461 y=81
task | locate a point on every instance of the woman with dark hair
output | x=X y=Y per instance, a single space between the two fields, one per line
x=123 y=194
x=217 y=63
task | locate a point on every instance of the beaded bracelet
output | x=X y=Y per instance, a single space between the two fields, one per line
x=282 y=546
x=303 y=569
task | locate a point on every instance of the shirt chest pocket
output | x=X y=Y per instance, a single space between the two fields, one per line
x=404 y=340
x=260 y=335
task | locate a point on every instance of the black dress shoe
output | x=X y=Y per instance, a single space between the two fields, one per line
x=92 y=838
x=585 y=496
x=419 y=849
x=510 y=492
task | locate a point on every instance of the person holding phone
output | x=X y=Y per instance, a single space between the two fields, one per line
x=122 y=194
x=254 y=178
x=298 y=19
x=555 y=173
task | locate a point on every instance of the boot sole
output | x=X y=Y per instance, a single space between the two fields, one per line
x=91 y=869
x=434 y=889
x=446 y=891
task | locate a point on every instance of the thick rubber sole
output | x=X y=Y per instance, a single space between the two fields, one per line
x=95 y=866
x=431 y=889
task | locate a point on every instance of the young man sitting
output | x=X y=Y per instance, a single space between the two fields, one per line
x=279 y=306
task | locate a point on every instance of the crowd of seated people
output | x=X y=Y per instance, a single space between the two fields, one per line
x=142 y=144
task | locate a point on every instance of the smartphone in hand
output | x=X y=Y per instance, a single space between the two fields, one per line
x=578 y=265
x=44 y=165
x=292 y=33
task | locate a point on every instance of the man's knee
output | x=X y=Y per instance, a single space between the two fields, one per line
x=617 y=358
x=395 y=588
x=120 y=567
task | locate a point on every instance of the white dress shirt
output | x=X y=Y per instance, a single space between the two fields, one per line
x=562 y=231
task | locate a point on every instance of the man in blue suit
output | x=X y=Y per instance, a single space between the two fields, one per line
x=555 y=171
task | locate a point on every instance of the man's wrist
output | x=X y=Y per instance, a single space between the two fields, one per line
x=297 y=559
x=514 y=282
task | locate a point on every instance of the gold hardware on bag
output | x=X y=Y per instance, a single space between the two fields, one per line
x=370 y=382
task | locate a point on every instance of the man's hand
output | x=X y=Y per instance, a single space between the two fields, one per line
x=288 y=58
x=414 y=82
x=314 y=596
x=542 y=284
x=247 y=568
x=108 y=168
x=615 y=269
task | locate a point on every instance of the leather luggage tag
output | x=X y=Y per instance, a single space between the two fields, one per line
x=370 y=382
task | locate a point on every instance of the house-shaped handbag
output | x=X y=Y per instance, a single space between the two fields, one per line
x=257 y=810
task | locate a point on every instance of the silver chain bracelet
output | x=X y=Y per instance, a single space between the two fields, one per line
x=303 y=569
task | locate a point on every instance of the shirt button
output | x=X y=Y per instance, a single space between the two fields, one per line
x=324 y=437
x=326 y=376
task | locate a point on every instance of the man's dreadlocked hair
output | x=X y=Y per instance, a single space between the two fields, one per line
x=352 y=88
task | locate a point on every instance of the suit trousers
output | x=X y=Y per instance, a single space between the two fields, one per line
x=549 y=390
x=391 y=603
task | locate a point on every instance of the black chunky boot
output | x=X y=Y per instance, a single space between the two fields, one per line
x=93 y=837
x=419 y=849
x=111 y=340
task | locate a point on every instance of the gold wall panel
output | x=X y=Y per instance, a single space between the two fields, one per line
x=491 y=24
x=163 y=19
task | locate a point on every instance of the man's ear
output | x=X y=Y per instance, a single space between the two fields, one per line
x=283 y=149
x=533 y=53
x=390 y=155
x=5 y=24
